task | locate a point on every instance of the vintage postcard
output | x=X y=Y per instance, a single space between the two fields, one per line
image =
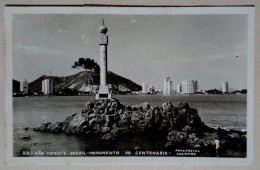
x=138 y=85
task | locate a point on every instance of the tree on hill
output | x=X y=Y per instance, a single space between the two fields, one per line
x=87 y=64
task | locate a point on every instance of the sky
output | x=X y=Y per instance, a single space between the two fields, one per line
x=143 y=48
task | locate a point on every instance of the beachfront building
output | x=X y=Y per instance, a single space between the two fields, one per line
x=196 y=86
x=47 y=87
x=145 y=88
x=167 y=86
x=189 y=86
x=225 y=87
x=179 y=88
x=24 y=87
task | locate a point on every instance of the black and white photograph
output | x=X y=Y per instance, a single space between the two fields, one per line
x=130 y=83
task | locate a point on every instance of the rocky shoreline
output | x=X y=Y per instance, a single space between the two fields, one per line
x=180 y=126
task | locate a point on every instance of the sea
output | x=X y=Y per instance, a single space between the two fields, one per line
x=225 y=111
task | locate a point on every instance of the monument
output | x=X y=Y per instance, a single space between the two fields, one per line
x=104 y=92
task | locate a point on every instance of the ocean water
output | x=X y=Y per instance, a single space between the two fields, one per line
x=226 y=111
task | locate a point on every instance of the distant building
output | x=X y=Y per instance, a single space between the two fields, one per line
x=24 y=86
x=122 y=88
x=225 y=87
x=145 y=88
x=179 y=88
x=88 y=88
x=151 y=89
x=94 y=89
x=85 y=89
x=196 y=86
x=189 y=86
x=47 y=87
x=167 y=86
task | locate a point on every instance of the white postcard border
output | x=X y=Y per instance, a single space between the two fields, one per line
x=9 y=11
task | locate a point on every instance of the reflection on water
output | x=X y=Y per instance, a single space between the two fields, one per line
x=227 y=111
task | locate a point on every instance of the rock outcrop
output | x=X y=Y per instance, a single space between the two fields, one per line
x=109 y=116
x=179 y=125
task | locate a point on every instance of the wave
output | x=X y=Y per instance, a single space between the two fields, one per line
x=228 y=128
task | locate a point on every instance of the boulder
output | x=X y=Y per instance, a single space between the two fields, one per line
x=137 y=148
x=44 y=126
x=175 y=136
x=186 y=129
x=108 y=136
x=234 y=135
x=145 y=106
x=183 y=105
x=168 y=144
x=167 y=107
x=110 y=119
x=92 y=122
x=105 y=129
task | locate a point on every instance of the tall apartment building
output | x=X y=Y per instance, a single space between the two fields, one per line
x=189 y=86
x=24 y=86
x=144 y=88
x=167 y=86
x=225 y=87
x=47 y=87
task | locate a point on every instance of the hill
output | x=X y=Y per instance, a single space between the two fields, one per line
x=16 y=86
x=36 y=85
x=81 y=80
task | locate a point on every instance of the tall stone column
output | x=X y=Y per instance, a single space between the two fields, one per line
x=103 y=92
x=103 y=65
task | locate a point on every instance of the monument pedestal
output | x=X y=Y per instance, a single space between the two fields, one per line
x=104 y=93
